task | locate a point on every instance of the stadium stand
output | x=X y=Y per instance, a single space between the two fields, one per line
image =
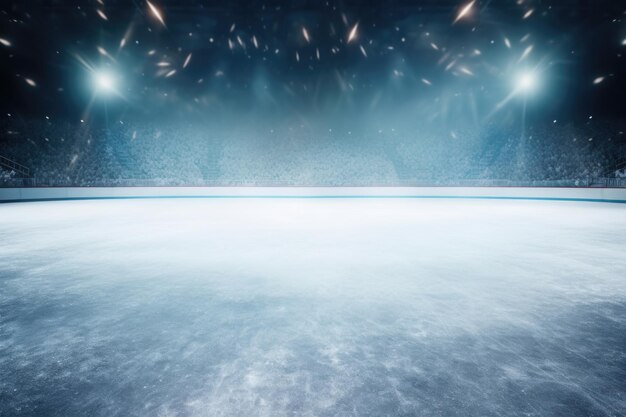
x=62 y=154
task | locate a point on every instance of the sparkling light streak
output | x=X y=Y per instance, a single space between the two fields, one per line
x=464 y=11
x=353 y=32
x=156 y=13
x=187 y=61
x=465 y=70
x=526 y=52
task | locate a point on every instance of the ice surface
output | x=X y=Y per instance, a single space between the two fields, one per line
x=312 y=307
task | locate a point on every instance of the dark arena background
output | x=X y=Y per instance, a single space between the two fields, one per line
x=313 y=208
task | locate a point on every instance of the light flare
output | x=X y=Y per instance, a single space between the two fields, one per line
x=526 y=52
x=102 y=15
x=353 y=32
x=156 y=13
x=187 y=60
x=465 y=10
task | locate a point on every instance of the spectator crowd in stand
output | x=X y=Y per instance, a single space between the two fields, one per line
x=60 y=154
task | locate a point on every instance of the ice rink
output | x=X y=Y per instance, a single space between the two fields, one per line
x=312 y=307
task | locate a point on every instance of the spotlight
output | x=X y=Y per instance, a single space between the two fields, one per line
x=104 y=82
x=526 y=82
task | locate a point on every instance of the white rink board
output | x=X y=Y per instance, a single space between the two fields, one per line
x=63 y=193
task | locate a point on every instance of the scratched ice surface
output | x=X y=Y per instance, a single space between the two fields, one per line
x=312 y=308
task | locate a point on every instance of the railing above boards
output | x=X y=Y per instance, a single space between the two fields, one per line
x=12 y=165
x=260 y=182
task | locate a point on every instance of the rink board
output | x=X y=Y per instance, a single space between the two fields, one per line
x=617 y=195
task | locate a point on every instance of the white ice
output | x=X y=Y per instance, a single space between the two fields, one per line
x=329 y=307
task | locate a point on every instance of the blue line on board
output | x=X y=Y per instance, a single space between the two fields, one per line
x=588 y=200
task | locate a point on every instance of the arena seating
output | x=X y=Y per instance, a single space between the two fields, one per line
x=66 y=154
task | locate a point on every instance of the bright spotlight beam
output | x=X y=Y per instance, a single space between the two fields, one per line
x=104 y=82
x=526 y=82
x=523 y=85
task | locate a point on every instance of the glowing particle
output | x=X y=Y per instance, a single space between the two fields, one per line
x=5 y=42
x=528 y=14
x=102 y=15
x=507 y=42
x=30 y=82
x=156 y=13
x=187 y=61
x=598 y=80
x=353 y=32
x=169 y=74
x=464 y=11
x=465 y=70
x=425 y=81
x=363 y=51
x=526 y=52
x=103 y=52
x=305 y=33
